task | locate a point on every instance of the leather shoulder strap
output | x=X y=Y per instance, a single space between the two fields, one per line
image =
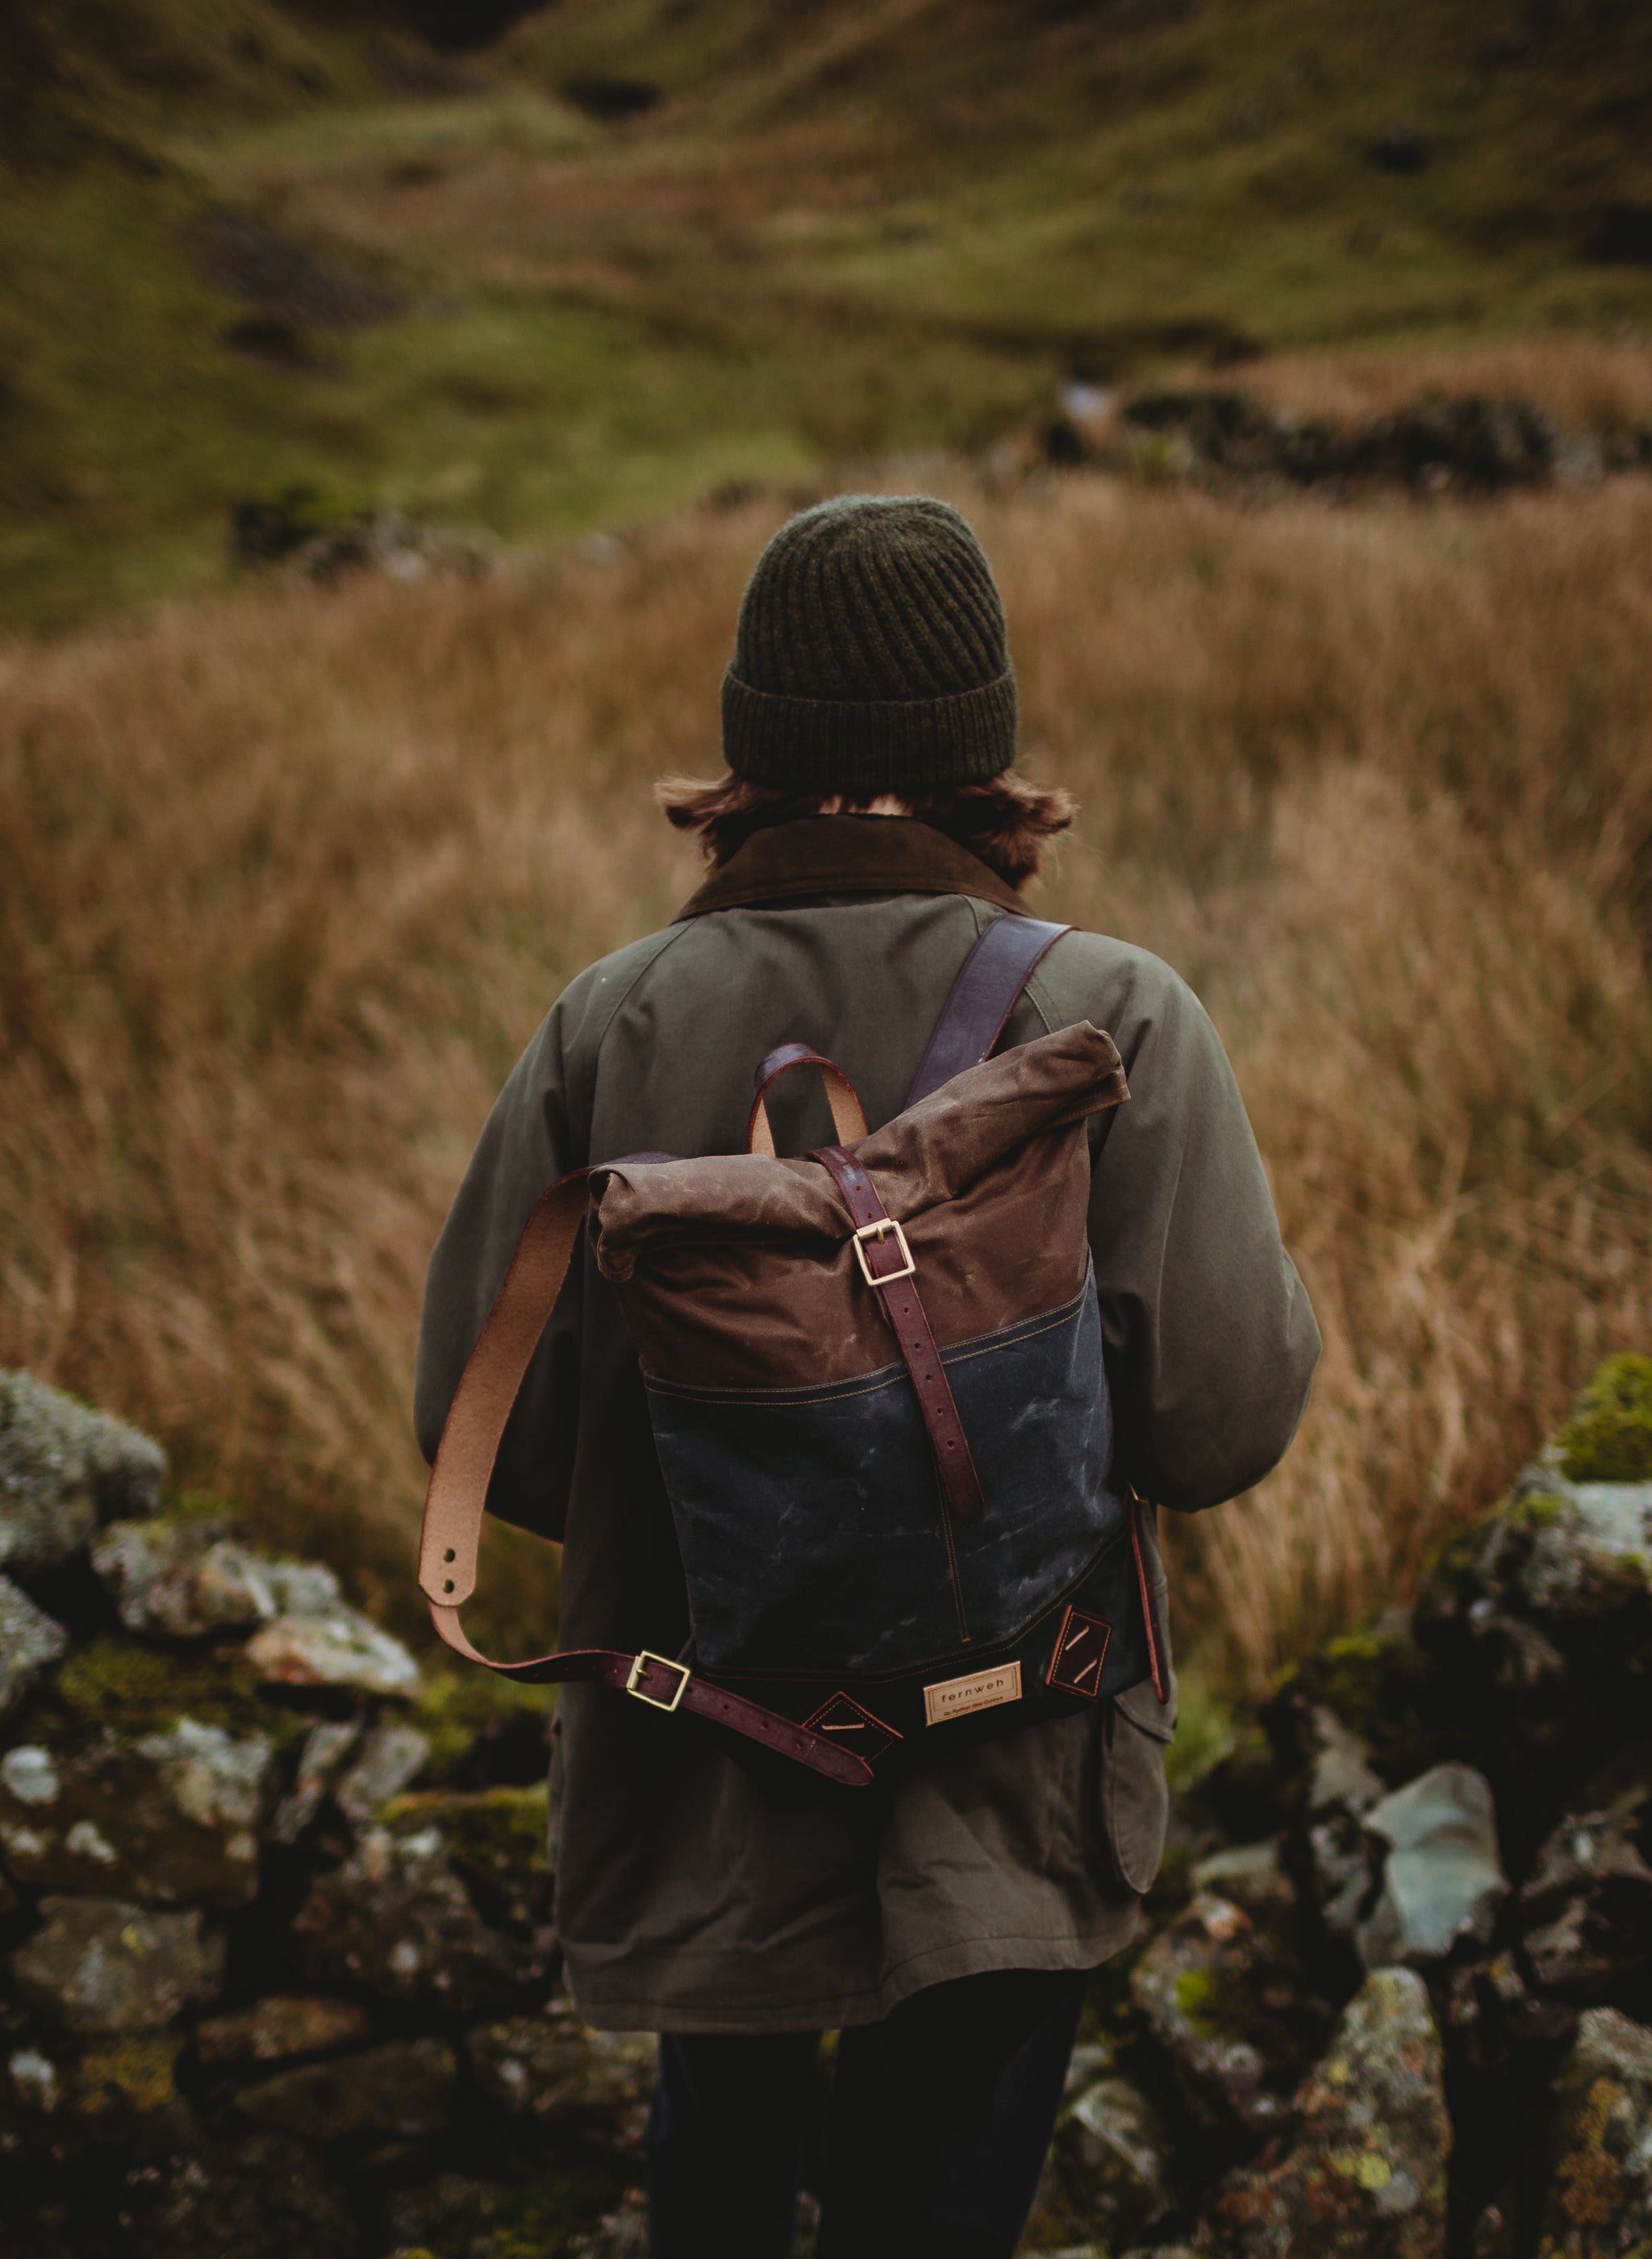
x=982 y=998
x=458 y=1496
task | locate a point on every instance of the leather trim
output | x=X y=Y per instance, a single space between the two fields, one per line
x=848 y=1118
x=848 y=855
x=658 y=1682
x=987 y=990
x=902 y=1307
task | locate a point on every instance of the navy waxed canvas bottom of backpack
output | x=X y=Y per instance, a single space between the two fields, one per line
x=818 y=1550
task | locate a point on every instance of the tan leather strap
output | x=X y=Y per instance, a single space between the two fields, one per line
x=886 y=1264
x=457 y=1498
x=848 y=1119
x=457 y=1493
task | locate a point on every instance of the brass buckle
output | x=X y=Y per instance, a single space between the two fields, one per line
x=634 y=1679
x=879 y=1231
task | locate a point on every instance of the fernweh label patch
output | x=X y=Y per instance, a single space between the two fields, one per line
x=955 y=1698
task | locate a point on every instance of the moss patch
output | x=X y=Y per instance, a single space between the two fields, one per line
x=127 y=1686
x=474 y=1717
x=1609 y=1436
x=1383 y=1686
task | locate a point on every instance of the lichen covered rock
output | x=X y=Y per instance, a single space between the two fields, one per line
x=102 y=1965
x=1361 y=2171
x=1116 y=2162
x=1608 y=1438
x=182 y=1576
x=263 y=2194
x=342 y=1649
x=391 y=1758
x=397 y=1920
x=553 y=2069
x=279 y=2027
x=29 y=1641
x=1586 y=1908
x=1600 y=2197
x=170 y=1819
x=406 y=2087
x=1232 y=2012
x=63 y=1469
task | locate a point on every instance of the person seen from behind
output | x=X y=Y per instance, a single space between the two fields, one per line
x=945 y=1921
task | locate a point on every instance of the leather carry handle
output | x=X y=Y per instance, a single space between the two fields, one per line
x=983 y=996
x=457 y=1500
x=887 y=1265
x=848 y=1119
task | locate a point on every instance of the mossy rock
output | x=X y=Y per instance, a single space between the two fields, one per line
x=497 y=1839
x=483 y=1729
x=129 y=1686
x=1383 y=1686
x=1608 y=1438
x=543 y=2217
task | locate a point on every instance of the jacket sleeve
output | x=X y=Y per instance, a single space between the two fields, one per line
x=1211 y=1340
x=532 y=1138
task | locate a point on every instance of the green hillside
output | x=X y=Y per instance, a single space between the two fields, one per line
x=628 y=251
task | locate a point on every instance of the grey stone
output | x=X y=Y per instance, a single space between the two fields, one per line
x=262 y=2198
x=181 y=1578
x=1586 y=1910
x=30 y=1640
x=102 y=1965
x=338 y=1649
x=392 y=1758
x=1345 y=1864
x=64 y=1468
x=170 y=1819
x=326 y=1749
x=1360 y=2172
x=1442 y=1878
x=395 y=1919
x=1342 y=1776
x=551 y=2068
x=304 y=1588
x=1597 y=1550
x=1232 y=2014
x=1599 y=2202
x=1090 y=2060
x=1114 y=2160
x=406 y=2087
x=281 y=2026
x=1252 y=1875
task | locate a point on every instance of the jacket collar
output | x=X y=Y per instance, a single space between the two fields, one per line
x=848 y=855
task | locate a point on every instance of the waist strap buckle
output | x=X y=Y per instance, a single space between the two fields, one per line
x=645 y=1662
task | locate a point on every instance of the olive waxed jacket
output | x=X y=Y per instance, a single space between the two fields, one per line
x=688 y=1900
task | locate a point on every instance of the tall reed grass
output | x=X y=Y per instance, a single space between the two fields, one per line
x=286 y=882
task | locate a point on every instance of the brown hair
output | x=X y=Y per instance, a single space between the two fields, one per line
x=1007 y=823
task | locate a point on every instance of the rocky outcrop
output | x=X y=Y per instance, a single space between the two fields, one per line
x=274 y=1901
x=1226 y=437
x=1361 y=2167
x=1429 y=1876
x=279 y=1972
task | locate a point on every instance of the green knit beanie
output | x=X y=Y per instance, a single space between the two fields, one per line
x=870 y=655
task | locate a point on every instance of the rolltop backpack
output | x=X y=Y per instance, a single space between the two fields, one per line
x=875 y=1378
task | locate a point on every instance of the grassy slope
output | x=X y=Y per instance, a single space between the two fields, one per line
x=849 y=228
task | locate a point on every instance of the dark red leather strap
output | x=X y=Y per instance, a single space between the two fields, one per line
x=885 y=1262
x=667 y=1686
x=982 y=998
x=848 y=1119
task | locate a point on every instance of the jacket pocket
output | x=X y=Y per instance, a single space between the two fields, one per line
x=1135 y=1797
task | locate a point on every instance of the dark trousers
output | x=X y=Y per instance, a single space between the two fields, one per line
x=935 y=2130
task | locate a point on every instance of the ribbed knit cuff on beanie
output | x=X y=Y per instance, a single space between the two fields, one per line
x=870 y=654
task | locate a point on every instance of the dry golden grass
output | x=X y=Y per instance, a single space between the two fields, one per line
x=287 y=881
